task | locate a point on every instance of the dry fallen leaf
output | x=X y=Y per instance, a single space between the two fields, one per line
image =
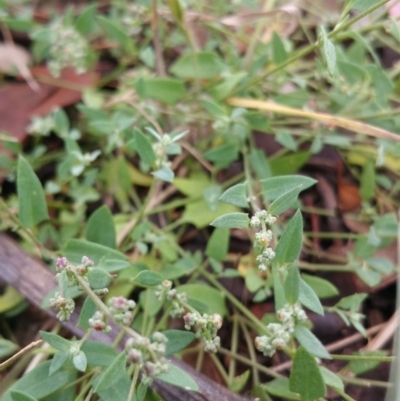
x=15 y=59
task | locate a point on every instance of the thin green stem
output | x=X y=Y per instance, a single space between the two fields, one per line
x=375 y=358
x=344 y=395
x=308 y=49
x=133 y=384
x=365 y=382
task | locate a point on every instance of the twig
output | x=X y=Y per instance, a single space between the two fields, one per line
x=20 y=353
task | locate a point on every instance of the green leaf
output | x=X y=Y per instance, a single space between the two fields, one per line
x=20 y=396
x=331 y=379
x=351 y=302
x=309 y=298
x=274 y=187
x=201 y=216
x=7 y=348
x=60 y=358
x=279 y=291
x=280 y=388
x=239 y=381
x=166 y=90
x=289 y=164
x=305 y=377
x=285 y=201
x=218 y=244
x=164 y=174
x=144 y=148
x=111 y=265
x=88 y=310
x=211 y=195
x=253 y=281
x=329 y=51
x=292 y=285
x=177 y=340
x=80 y=361
x=112 y=374
x=279 y=54
x=176 y=10
x=100 y=228
x=98 y=354
x=178 y=377
x=289 y=245
x=259 y=164
x=222 y=156
x=141 y=391
x=362 y=5
x=98 y=278
x=311 y=343
x=114 y=31
x=210 y=296
x=381 y=265
x=150 y=302
x=119 y=391
x=361 y=366
x=232 y=220
x=236 y=195
x=56 y=341
x=369 y=276
x=31 y=200
x=38 y=384
x=215 y=109
x=224 y=88
x=367 y=189
x=322 y=288
x=200 y=65
x=74 y=249
x=148 y=278
x=86 y=21
x=10 y=299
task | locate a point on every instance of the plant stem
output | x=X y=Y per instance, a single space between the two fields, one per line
x=133 y=384
x=363 y=358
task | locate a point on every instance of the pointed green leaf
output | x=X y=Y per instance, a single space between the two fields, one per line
x=200 y=65
x=218 y=244
x=80 y=361
x=144 y=148
x=236 y=195
x=331 y=379
x=279 y=54
x=164 y=174
x=37 y=383
x=100 y=228
x=177 y=340
x=329 y=51
x=88 y=310
x=309 y=299
x=166 y=90
x=289 y=245
x=74 y=249
x=292 y=285
x=232 y=220
x=274 y=187
x=305 y=377
x=112 y=374
x=56 y=341
x=178 y=377
x=280 y=388
x=98 y=278
x=148 y=278
x=98 y=354
x=32 y=205
x=285 y=201
x=20 y=396
x=311 y=343
x=58 y=361
x=322 y=288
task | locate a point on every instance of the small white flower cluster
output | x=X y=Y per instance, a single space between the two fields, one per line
x=161 y=150
x=41 y=125
x=65 y=305
x=206 y=327
x=150 y=354
x=263 y=220
x=131 y=16
x=99 y=322
x=164 y=291
x=121 y=309
x=280 y=333
x=67 y=48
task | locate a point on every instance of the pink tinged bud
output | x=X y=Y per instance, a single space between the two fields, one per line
x=61 y=262
x=87 y=261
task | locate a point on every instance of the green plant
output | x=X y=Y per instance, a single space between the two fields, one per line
x=154 y=146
